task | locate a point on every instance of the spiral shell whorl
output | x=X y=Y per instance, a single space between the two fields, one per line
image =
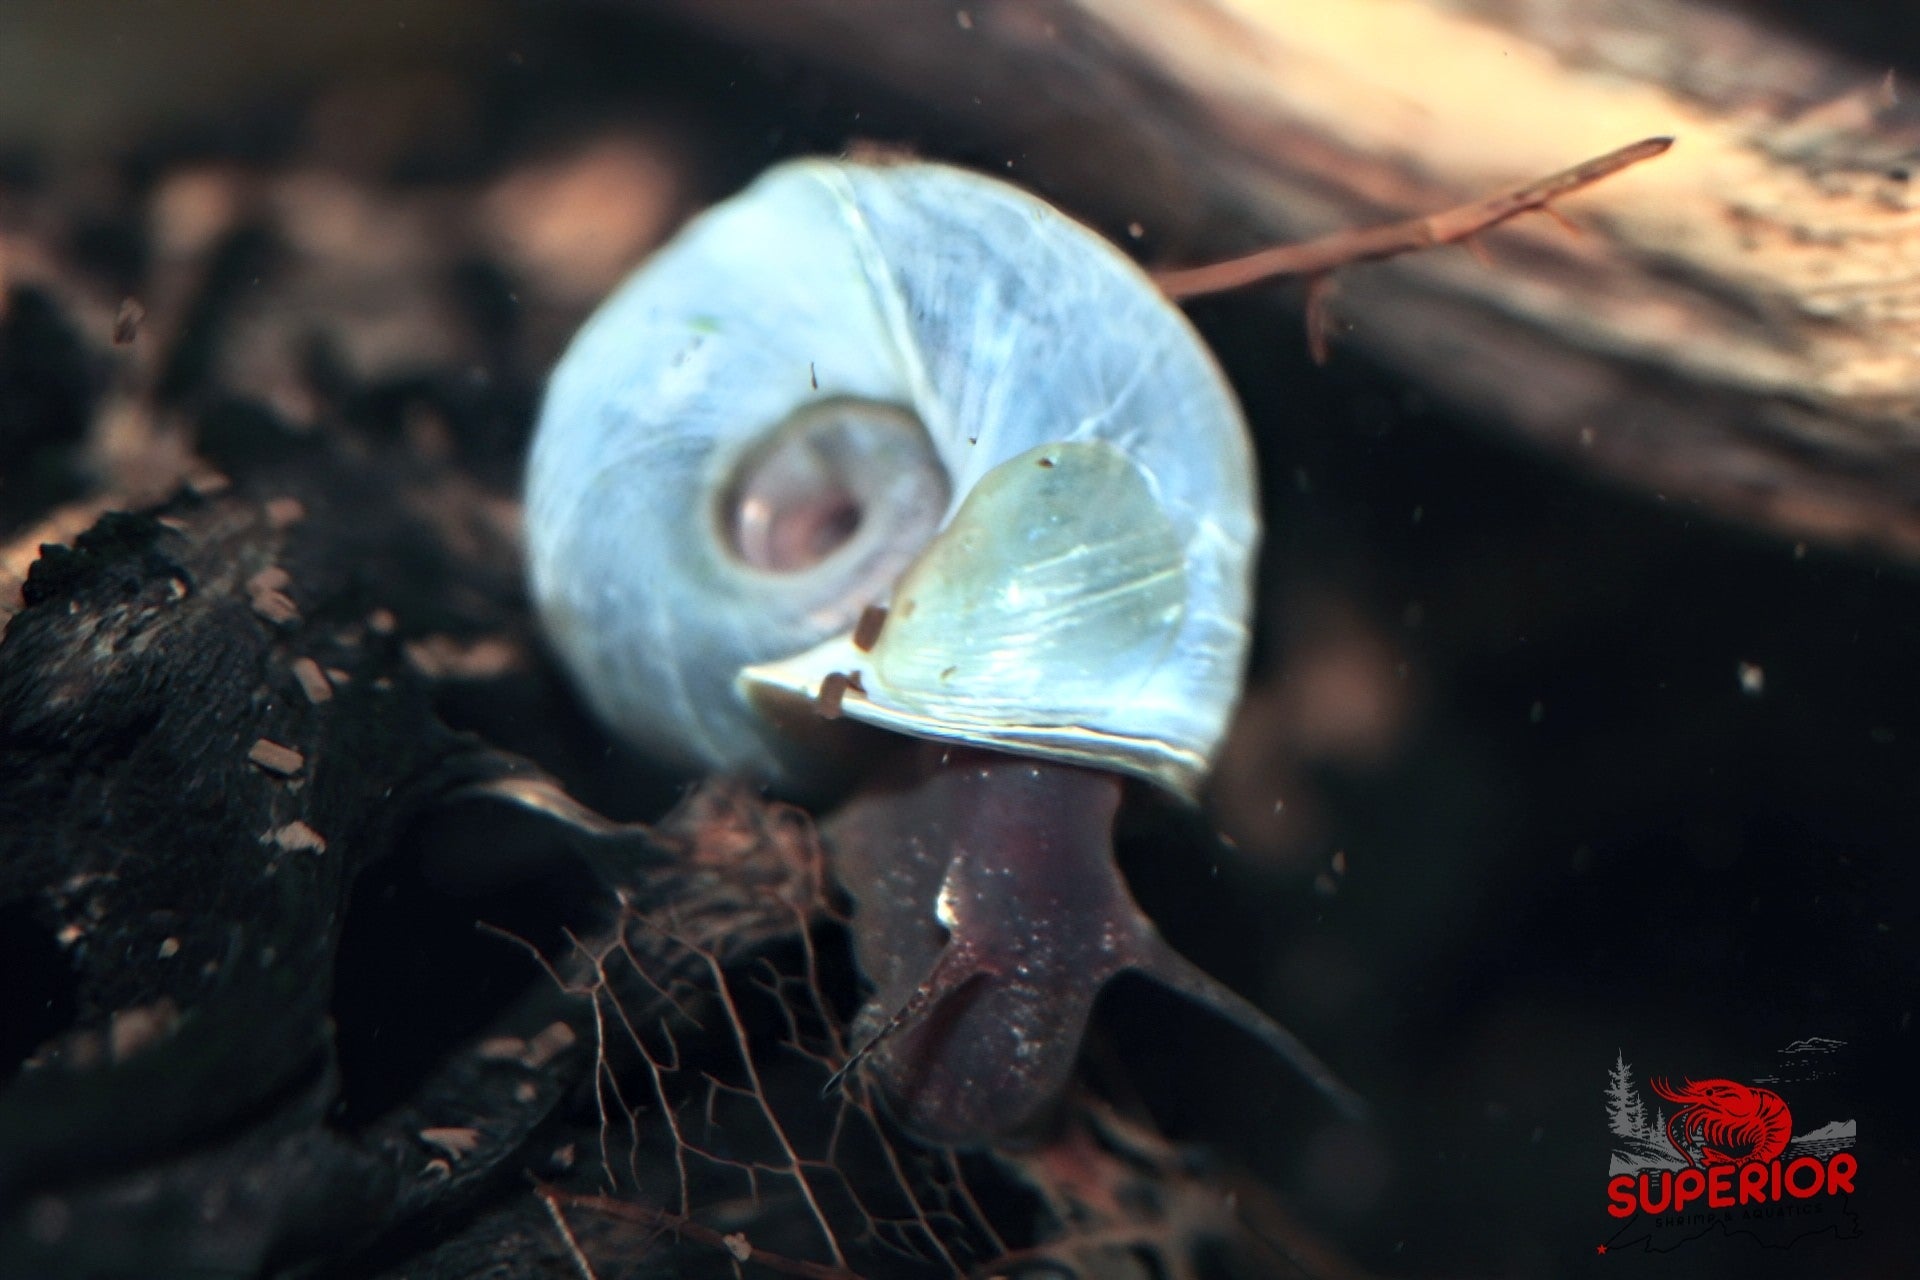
x=997 y=322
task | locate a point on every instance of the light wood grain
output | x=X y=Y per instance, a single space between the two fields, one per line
x=1739 y=327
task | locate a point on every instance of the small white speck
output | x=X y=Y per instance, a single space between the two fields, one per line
x=1753 y=680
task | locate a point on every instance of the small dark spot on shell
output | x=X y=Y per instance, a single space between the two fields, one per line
x=1046 y=462
x=833 y=690
x=866 y=633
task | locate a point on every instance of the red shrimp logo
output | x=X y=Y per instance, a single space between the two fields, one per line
x=1721 y=1122
x=1719 y=1155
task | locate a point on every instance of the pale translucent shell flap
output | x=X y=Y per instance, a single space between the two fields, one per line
x=1050 y=600
x=1001 y=324
x=1055 y=594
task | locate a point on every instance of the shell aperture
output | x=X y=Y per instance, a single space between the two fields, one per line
x=920 y=328
x=801 y=499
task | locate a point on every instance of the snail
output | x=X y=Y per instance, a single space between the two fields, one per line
x=893 y=470
x=894 y=464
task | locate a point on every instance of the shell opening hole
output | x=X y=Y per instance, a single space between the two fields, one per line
x=837 y=477
x=785 y=533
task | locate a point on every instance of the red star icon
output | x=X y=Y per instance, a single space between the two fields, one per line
x=1599 y=1248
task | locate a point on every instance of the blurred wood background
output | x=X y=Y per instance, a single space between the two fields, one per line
x=1740 y=326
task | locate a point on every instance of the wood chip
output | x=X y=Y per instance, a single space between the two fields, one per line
x=297 y=836
x=131 y=1030
x=275 y=758
x=456 y=1142
x=207 y=484
x=313 y=681
x=500 y=1049
x=283 y=513
x=276 y=607
x=441 y=657
x=266 y=592
x=382 y=622
x=737 y=1246
x=549 y=1044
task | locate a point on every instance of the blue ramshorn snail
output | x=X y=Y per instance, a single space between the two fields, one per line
x=873 y=450
x=909 y=388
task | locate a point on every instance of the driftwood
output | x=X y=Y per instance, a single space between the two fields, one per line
x=1737 y=328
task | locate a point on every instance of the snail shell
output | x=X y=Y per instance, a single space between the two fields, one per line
x=907 y=386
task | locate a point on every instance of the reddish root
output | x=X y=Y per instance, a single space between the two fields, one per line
x=1316 y=259
x=711 y=1044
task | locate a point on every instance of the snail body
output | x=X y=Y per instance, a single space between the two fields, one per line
x=858 y=391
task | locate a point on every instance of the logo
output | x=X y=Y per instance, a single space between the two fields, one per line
x=1724 y=1160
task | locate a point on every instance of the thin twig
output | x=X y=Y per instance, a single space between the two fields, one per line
x=1344 y=248
x=795 y=1165
x=566 y=1234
